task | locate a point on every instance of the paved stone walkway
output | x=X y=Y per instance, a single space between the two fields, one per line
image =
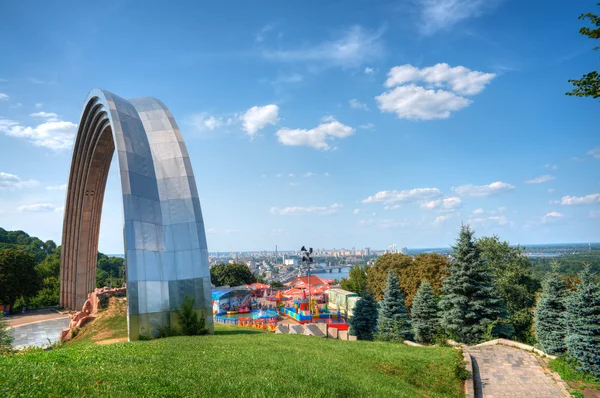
x=38 y=333
x=501 y=371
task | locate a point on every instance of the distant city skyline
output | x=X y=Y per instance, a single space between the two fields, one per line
x=377 y=123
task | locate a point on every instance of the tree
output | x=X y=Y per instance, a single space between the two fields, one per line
x=190 y=322
x=514 y=282
x=231 y=275
x=393 y=323
x=589 y=84
x=364 y=322
x=470 y=304
x=378 y=273
x=425 y=316
x=6 y=337
x=357 y=280
x=17 y=275
x=550 y=316
x=583 y=324
x=276 y=284
x=430 y=266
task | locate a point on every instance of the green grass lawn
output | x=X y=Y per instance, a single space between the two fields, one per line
x=577 y=380
x=234 y=362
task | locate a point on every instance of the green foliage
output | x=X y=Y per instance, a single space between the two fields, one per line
x=514 y=282
x=236 y=362
x=460 y=366
x=364 y=322
x=18 y=276
x=583 y=324
x=168 y=331
x=550 y=315
x=566 y=367
x=231 y=275
x=6 y=337
x=276 y=284
x=191 y=324
x=19 y=240
x=411 y=272
x=470 y=302
x=393 y=323
x=48 y=295
x=356 y=281
x=589 y=84
x=424 y=312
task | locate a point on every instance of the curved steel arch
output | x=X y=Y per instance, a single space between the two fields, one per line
x=165 y=243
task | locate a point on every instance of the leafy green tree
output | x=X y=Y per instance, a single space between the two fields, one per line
x=550 y=315
x=425 y=314
x=514 y=282
x=231 y=275
x=190 y=322
x=583 y=324
x=393 y=323
x=589 y=84
x=470 y=304
x=18 y=276
x=356 y=281
x=276 y=284
x=364 y=322
x=48 y=295
x=101 y=278
x=378 y=273
x=6 y=337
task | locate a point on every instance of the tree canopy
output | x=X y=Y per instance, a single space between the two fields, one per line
x=357 y=280
x=18 y=276
x=231 y=275
x=589 y=84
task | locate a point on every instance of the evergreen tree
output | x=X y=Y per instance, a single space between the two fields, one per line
x=393 y=323
x=550 y=315
x=583 y=324
x=364 y=322
x=425 y=317
x=470 y=305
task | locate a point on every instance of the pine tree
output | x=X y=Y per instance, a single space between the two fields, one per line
x=550 y=315
x=583 y=324
x=470 y=304
x=425 y=317
x=393 y=323
x=364 y=322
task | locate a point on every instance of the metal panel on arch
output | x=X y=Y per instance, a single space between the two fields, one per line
x=165 y=244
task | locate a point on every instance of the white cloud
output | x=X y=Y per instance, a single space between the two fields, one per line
x=540 y=179
x=594 y=213
x=459 y=79
x=489 y=221
x=443 y=14
x=356 y=211
x=443 y=204
x=369 y=71
x=483 y=190
x=53 y=133
x=441 y=219
x=478 y=211
x=551 y=166
x=595 y=152
x=278 y=175
x=551 y=190
x=212 y=122
x=260 y=36
x=308 y=175
x=287 y=79
x=392 y=207
x=12 y=182
x=48 y=116
x=57 y=187
x=581 y=200
x=318 y=137
x=39 y=105
x=205 y=122
x=411 y=195
x=355 y=47
x=300 y=210
x=3 y=97
x=292 y=175
x=356 y=104
x=417 y=103
x=368 y=126
x=551 y=216
x=42 y=207
x=257 y=117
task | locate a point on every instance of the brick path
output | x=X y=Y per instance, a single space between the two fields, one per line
x=501 y=371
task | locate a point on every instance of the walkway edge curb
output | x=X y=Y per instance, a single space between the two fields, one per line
x=470 y=381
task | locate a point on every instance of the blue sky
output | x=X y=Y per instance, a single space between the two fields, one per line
x=331 y=124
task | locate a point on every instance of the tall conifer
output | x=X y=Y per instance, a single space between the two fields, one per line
x=470 y=305
x=364 y=322
x=424 y=311
x=393 y=324
x=550 y=315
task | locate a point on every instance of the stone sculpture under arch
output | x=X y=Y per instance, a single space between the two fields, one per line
x=165 y=243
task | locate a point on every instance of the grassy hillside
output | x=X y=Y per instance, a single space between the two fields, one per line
x=233 y=362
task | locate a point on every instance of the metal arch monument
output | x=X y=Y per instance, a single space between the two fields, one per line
x=165 y=244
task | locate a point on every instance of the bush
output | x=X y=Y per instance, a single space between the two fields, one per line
x=191 y=324
x=168 y=331
x=6 y=337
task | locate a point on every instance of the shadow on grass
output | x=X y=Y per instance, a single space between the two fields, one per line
x=237 y=331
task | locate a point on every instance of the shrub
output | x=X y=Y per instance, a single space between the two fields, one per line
x=191 y=324
x=6 y=337
x=168 y=331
